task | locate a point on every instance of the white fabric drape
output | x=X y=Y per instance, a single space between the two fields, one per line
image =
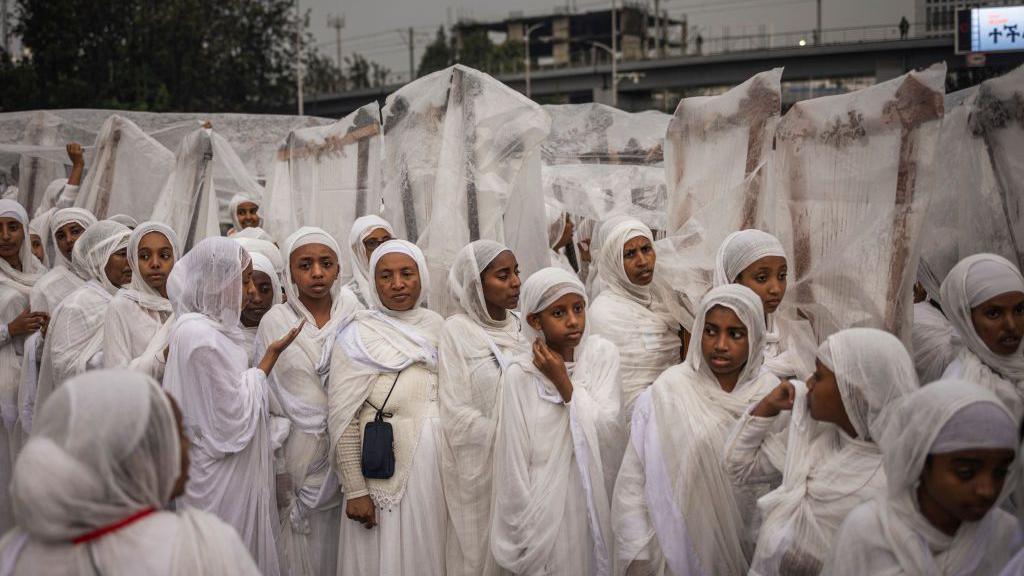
x=359 y=262
x=555 y=462
x=311 y=516
x=105 y=447
x=888 y=535
x=786 y=354
x=15 y=287
x=377 y=348
x=933 y=342
x=974 y=361
x=61 y=280
x=634 y=318
x=138 y=312
x=825 y=473
x=674 y=505
x=224 y=403
x=74 y=339
x=473 y=352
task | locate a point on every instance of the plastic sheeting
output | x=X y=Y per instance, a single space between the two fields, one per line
x=601 y=162
x=205 y=167
x=327 y=176
x=979 y=194
x=852 y=177
x=462 y=163
x=127 y=174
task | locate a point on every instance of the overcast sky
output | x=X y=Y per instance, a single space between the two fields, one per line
x=371 y=25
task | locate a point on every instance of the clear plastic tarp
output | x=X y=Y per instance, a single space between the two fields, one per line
x=979 y=193
x=326 y=176
x=462 y=162
x=599 y=162
x=852 y=177
x=127 y=172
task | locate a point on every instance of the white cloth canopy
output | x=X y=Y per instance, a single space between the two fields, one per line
x=473 y=353
x=889 y=535
x=825 y=473
x=674 y=505
x=61 y=280
x=74 y=339
x=973 y=360
x=127 y=173
x=327 y=176
x=789 y=341
x=106 y=447
x=555 y=461
x=137 y=313
x=637 y=319
x=462 y=163
x=381 y=349
x=311 y=516
x=359 y=261
x=223 y=401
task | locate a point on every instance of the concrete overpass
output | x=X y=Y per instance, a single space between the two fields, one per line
x=641 y=79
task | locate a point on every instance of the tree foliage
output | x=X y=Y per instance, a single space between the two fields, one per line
x=437 y=56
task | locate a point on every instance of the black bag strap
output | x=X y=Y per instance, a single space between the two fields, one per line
x=381 y=414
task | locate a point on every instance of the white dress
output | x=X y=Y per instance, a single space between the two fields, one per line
x=128 y=331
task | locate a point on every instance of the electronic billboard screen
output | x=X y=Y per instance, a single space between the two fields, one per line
x=993 y=29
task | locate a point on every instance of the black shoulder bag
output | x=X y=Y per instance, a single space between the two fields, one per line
x=378 y=459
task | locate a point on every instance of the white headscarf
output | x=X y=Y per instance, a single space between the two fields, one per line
x=255 y=233
x=610 y=266
x=299 y=238
x=918 y=422
x=40 y=226
x=62 y=218
x=261 y=263
x=741 y=249
x=237 y=200
x=31 y=268
x=138 y=290
x=361 y=228
x=104 y=446
x=208 y=281
x=466 y=284
x=128 y=221
x=268 y=249
x=95 y=247
x=411 y=250
x=536 y=295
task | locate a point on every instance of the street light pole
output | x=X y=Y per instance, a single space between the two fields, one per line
x=615 y=49
x=526 y=42
x=298 y=57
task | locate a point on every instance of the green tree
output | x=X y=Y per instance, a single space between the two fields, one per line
x=437 y=56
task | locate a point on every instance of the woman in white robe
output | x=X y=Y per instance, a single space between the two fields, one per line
x=368 y=232
x=19 y=271
x=266 y=295
x=62 y=278
x=244 y=213
x=74 y=339
x=675 y=508
x=947 y=451
x=744 y=258
x=827 y=456
x=223 y=401
x=39 y=232
x=311 y=510
x=989 y=289
x=559 y=444
x=138 y=312
x=475 y=348
x=387 y=357
x=560 y=230
x=634 y=315
x=93 y=486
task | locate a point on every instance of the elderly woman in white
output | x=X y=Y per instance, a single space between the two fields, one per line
x=477 y=343
x=383 y=376
x=310 y=505
x=93 y=487
x=827 y=456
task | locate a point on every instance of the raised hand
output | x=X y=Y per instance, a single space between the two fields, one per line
x=778 y=400
x=551 y=365
x=28 y=322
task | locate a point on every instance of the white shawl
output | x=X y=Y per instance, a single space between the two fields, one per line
x=62 y=279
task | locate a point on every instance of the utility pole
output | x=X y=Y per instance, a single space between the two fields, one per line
x=526 y=44
x=412 y=56
x=615 y=51
x=298 y=57
x=657 y=28
x=337 y=23
x=817 y=31
x=3 y=25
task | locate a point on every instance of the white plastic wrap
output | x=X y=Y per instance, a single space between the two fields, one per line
x=462 y=163
x=127 y=173
x=601 y=162
x=852 y=177
x=326 y=176
x=979 y=193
